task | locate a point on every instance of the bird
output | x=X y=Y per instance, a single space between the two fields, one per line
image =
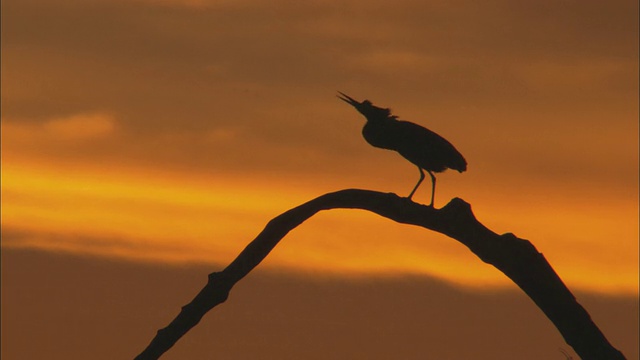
x=424 y=148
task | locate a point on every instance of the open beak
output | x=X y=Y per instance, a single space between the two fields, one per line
x=348 y=99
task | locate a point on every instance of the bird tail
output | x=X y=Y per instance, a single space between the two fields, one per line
x=461 y=165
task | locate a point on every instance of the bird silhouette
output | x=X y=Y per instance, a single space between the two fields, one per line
x=424 y=148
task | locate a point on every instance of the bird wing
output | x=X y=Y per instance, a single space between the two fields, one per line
x=427 y=149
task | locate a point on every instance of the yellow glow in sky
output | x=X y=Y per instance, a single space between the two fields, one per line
x=169 y=220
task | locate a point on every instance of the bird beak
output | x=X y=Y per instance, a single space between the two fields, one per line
x=348 y=99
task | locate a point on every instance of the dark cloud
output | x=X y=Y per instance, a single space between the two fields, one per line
x=176 y=76
x=137 y=57
x=13 y=238
x=61 y=307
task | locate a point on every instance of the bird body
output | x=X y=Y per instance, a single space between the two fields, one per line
x=415 y=143
x=421 y=146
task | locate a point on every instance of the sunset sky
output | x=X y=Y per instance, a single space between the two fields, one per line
x=164 y=134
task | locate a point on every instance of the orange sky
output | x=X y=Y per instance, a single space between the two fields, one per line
x=141 y=138
x=174 y=130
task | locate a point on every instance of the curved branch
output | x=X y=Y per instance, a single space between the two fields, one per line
x=516 y=258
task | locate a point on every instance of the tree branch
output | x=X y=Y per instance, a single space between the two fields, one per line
x=516 y=258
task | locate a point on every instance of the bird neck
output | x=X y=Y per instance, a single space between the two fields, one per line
x=376 y=133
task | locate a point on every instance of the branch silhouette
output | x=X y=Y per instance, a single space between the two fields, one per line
x=518 y=259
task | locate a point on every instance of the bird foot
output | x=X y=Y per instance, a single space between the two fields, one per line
x=410 y=199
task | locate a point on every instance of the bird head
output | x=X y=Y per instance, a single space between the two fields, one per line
x=366 y=108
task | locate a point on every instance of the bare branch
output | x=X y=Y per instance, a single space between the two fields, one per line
x=516 y=258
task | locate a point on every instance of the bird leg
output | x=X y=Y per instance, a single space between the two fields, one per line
x=419 y=182
x=433 y=187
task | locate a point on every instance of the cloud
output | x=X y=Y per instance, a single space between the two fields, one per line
x=277 y=316
x=281 y=43
x=71 y=136
x=80 y=127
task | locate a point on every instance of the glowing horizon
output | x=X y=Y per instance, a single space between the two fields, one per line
x=177 y=220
